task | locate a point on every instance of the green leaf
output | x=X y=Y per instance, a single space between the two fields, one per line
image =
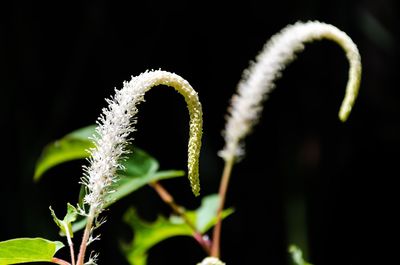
x=205 y=217
x=139 y=167
x=140 y=170
x=147 y=235
x=297 y=255
x=139 y=163
x=71 y=147
x=22 y=250
x=65 y=224
x=207 y=213
x=127 y=185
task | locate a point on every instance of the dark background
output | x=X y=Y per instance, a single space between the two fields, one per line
x=305 y=173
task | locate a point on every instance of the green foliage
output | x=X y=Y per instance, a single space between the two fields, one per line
x=146 y=235
x=149 y=234
x=22 y=250
x=297 y=255
x=128 y=184
x=65 y=224
x=140 y=169
x=205 y=216
x=70 y=147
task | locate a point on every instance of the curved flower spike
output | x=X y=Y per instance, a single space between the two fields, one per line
x=258 y=80
x=116 y=123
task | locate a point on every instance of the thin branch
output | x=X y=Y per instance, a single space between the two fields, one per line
x=223 y=187
x=169 y=200
x=59 y=261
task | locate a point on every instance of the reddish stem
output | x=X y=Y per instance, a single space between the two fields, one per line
x=223 y=187
x=85 y=239
x=169 y=200
x=59 y=261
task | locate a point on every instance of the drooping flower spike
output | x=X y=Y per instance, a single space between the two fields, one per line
x=258 y=80
x=116 y=123
x=112 y=137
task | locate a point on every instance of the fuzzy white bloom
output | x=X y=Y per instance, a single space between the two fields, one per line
x=211 y=261
x=115 y=125
x=258 y=80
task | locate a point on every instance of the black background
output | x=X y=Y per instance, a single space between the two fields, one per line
x=59 y=60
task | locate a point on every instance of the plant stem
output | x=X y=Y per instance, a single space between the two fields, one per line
x=85 y=238
x=70 y=244
x=59 y=261
x=169 y=200
x=223 y=187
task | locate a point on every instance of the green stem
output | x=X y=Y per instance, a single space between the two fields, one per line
x=169 y=200
x=70 y=244
x=223 y=187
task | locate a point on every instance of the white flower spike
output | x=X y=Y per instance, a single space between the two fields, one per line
x=112 y=137
x=116 y=123
x=258 y=80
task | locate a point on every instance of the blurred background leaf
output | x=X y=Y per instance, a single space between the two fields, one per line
x=147 y=235
x=74 y=145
